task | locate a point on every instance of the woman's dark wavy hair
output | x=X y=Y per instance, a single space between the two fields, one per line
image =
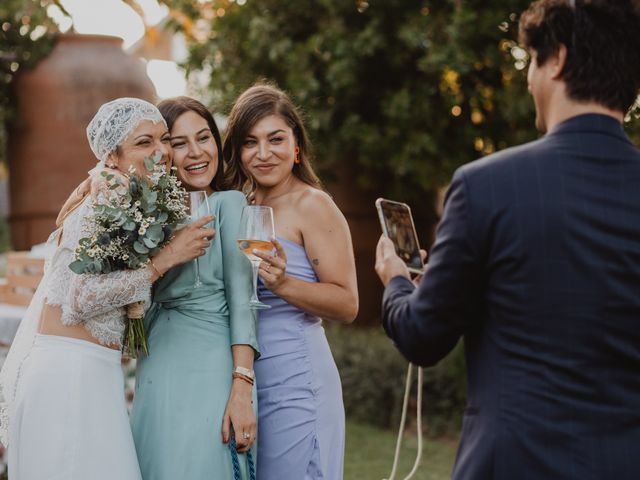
x=602 y=38
x=255 y=103
x=172 y=108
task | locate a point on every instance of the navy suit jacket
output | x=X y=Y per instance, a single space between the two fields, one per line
x=536 y=264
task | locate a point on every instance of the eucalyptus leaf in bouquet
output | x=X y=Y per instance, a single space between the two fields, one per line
x=133 y=218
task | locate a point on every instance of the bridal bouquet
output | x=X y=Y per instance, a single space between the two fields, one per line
x=131 y=221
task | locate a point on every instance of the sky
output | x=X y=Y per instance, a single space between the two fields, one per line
x=113 y=17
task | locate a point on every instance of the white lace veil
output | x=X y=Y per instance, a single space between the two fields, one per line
x=114 y=122
x=19 y=352
x=109 y=128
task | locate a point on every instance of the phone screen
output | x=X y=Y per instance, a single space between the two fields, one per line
x=397 y=225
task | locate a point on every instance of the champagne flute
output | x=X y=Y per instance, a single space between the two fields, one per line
x=198 y=206
x=256 y=232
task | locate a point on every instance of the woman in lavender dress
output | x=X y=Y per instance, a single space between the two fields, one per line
x=312 y=276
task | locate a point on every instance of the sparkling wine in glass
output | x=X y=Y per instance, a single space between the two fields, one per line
x=256 y=231
x=198 y=206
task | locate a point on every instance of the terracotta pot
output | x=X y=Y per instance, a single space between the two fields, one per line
x=48 y=150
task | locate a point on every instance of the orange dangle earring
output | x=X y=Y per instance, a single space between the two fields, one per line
x=297 y=155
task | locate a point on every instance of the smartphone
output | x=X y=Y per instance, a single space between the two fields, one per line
x=397 y=225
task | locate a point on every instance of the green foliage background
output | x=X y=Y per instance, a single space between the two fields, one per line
x=400 y=91
x=373 y=377
x=404 y=91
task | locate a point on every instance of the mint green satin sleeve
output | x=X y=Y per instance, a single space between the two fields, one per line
x=237 y=271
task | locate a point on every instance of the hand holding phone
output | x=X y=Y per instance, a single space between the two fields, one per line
x=397 y=225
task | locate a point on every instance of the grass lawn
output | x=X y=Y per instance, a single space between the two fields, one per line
x=369 y=455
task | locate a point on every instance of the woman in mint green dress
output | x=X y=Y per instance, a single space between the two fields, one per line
x=195 y=389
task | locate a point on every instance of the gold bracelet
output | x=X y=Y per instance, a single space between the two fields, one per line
x=249 y=380
x=245 y=371
x=153 y=266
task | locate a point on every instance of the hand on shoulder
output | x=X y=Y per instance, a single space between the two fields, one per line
x=72 y=202
x=100 y=184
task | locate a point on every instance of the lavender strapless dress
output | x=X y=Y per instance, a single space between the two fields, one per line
x=300 y=411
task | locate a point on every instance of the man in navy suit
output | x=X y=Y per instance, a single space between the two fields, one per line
x=536 y=264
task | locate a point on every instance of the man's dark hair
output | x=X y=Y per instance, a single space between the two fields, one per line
x=602 y=38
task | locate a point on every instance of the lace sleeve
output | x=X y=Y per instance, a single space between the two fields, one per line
x=95 y=294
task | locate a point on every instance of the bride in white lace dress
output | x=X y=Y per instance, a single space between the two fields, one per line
x=62 y=405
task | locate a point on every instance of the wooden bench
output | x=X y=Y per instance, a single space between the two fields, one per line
x=24 y=273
